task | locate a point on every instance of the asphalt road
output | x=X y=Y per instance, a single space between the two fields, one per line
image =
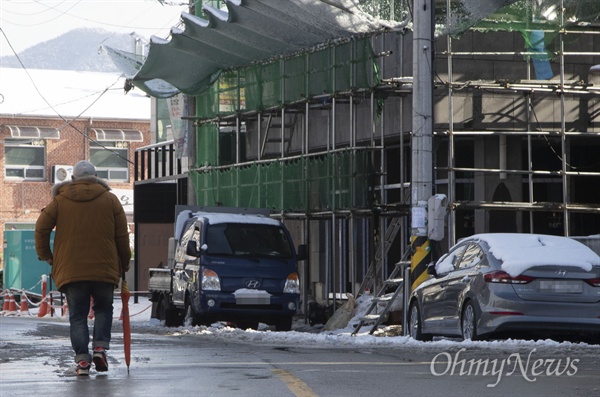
x=36 y=358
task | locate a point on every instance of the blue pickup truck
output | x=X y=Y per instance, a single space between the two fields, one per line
x=234 y=266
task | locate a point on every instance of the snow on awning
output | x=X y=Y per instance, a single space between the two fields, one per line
x=112 y=135
x=29 y=132
x=249 y=31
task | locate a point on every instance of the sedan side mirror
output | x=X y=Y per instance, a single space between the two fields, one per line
x=431 y=270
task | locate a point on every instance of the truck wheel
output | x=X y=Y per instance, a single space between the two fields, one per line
x=284 y=323
x=167 y=313
x=190 y=318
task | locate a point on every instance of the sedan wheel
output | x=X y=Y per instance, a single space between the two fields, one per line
x=469 y=322
x=415 y=330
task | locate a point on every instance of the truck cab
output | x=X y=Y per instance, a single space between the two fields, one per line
x=240 y=268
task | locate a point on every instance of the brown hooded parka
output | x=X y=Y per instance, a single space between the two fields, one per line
x=92 y=238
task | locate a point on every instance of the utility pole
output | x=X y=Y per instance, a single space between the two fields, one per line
x=422 y=138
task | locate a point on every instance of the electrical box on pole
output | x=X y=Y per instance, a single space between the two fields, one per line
x=436 y=216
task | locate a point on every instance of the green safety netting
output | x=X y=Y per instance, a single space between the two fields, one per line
x=306 y=184
x=334 y=181
x=341 y=68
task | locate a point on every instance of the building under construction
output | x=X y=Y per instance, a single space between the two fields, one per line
x=306 y=107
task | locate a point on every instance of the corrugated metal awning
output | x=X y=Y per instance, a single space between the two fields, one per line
x=249 y=31
x=31 y=132
x=114 y=135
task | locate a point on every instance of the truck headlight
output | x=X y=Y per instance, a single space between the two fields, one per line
x=292 y=284
x=210 y=280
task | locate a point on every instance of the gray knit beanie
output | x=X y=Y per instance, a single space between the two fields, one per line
x=83 y=169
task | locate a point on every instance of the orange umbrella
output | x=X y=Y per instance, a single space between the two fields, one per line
x=126 y=325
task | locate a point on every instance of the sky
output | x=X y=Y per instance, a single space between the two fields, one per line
x=70 y=94
x=25 y=23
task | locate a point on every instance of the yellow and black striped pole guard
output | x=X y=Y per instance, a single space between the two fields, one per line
x=421 y=256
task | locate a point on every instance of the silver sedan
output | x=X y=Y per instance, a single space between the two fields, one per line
x=491 y=283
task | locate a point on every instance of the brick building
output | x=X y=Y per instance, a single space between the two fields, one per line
x=52 y=120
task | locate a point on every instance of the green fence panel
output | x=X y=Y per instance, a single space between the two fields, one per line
x=228 y=187
x=344 y=67
x=206 y=192
x=294 y=79
x=341 y=67
x=229 y=93
x=336 y=181
x=207 y=103
x=363 y=181
x=271 y=85
x=272 y=183
x=207 y=144
x=252 y=88
x=366 y=73
x=319 y=71
x=249 y=187
x=294 y=186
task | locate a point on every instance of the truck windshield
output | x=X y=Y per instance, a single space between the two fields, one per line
x=247 y=239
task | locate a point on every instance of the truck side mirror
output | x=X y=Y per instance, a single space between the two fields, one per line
x=302 y=252
x=192 y=249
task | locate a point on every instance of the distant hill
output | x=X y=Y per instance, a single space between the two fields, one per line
x=77 y=50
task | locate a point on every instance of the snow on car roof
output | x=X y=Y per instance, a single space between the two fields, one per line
x=519 y=252
x=214 y=218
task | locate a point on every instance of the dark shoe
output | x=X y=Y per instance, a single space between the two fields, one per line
x=99 y=359
x=83 y=368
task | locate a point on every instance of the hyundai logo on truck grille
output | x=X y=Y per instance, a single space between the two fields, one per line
x=253 y=284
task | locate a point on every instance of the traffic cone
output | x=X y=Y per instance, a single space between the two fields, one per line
x=12 y=304
x=24 y=305
x=43 y=307
x=5 y=305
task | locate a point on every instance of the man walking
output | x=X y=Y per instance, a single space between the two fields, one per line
x=91 y=252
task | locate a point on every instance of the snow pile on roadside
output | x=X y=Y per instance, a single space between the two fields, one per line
x=303 y=334
x=306 y=335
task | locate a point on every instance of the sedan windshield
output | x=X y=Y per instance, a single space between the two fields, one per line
x=248 y=240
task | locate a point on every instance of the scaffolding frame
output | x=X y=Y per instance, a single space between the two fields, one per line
x=528 y=87
x=342 y=222
x=339 y=233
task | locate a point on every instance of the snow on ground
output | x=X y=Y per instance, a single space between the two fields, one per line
x=304 y=334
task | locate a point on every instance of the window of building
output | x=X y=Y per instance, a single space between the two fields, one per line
x=25 y=151
x=111 y=160
x=25 y=159
x=109 y=152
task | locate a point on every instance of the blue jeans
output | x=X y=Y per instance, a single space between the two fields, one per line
x=78 y=298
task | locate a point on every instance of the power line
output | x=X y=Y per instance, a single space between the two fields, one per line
x=67 y=122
